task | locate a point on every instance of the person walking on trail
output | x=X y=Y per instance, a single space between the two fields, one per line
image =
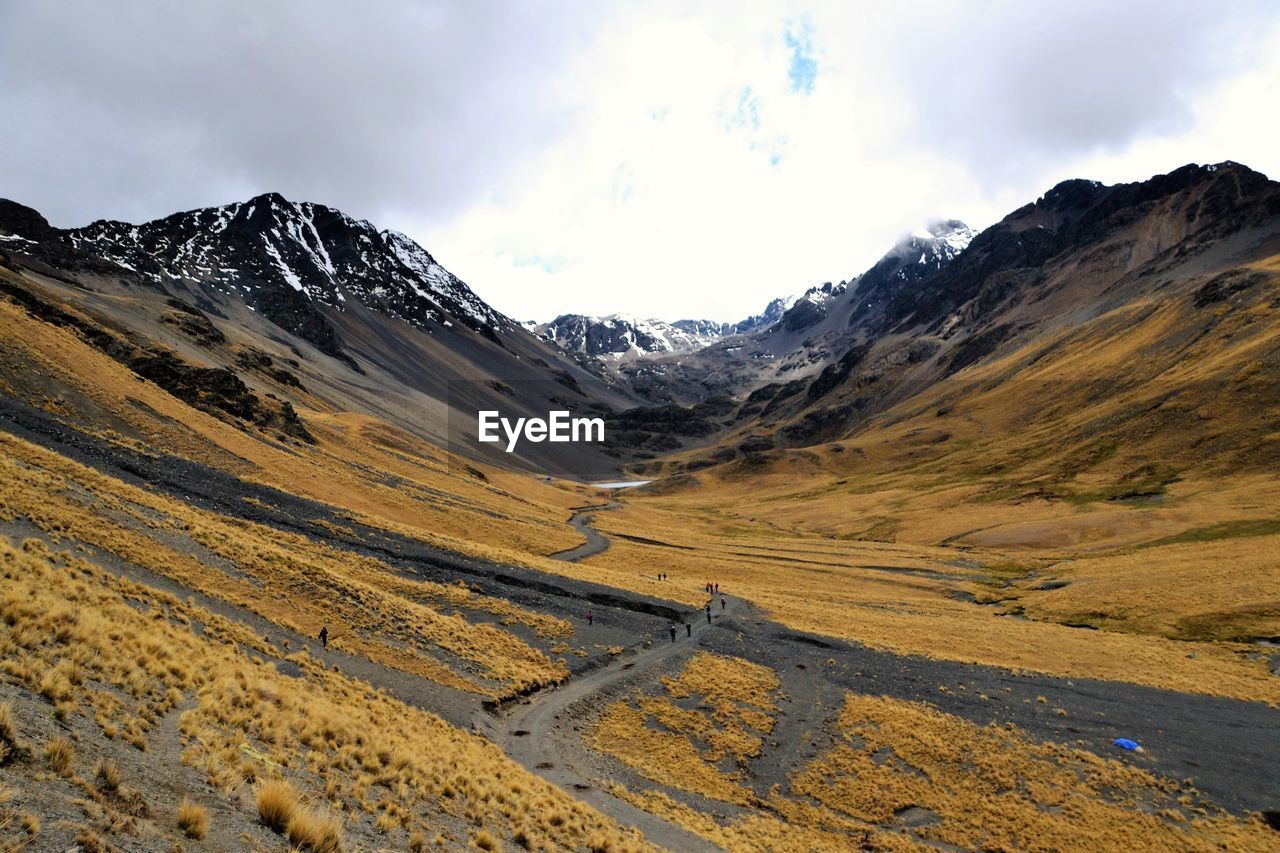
x=673 y=633
x=590 y=618
x=324 y=636
x=688 y=629
x=708 y=612
x=717 y=587
x=722 y=604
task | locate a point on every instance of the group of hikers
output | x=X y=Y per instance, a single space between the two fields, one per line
x=711 y=588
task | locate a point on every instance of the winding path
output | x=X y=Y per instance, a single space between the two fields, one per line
x=596 y=542
x=541 y=733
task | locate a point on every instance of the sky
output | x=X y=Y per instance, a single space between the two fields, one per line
x=660 y=158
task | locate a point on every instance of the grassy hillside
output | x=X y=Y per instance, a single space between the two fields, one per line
x=1117 y=475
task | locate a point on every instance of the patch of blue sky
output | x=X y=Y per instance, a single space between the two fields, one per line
x=803 y=71
x=551 y=265
x=747 y=113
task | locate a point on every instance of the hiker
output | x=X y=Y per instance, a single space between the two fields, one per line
x=590 y=620
x=722 y=603
x=673 y=632
x=717 y=587
x=688 y=629
x=708 y=612
x=324 y=636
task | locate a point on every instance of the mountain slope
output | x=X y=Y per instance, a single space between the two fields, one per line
x=285 y=260
x=1062 y=290
x=359 y=319
x=803 y=334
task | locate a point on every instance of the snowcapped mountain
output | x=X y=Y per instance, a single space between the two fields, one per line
x=811 y=306
x=916 y=257
x=285 y=259
x=623 y=336
x=711 y=330
x=936 y=246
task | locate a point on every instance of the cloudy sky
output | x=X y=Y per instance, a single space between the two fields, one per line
x=669 y=159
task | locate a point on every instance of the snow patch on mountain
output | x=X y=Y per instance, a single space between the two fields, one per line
x=624 y=337
x=247 y=248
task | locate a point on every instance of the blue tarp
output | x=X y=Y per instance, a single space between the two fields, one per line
x=1125 y=743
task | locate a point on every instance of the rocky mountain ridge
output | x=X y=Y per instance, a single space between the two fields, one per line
x=284 y=259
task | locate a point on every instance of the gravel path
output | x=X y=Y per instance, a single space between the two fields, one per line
x=596 y=542
x=541 y=732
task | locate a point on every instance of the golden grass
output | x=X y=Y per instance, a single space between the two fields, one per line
x=108 y=776
x=339 y=741
x=60 y=753
x=726 y=682
x=732 y=705
x=898 y=596
x=757 y=832
x=9 y=745
x=276 y=801
x=370 y=610
x=662 y=755
x=280 y=809
x=996 y=788
x=193 y=819
x=1213 y=590
x=312 y=830
x=990 y=788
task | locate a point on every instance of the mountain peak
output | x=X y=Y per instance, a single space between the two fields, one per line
x=283 y=259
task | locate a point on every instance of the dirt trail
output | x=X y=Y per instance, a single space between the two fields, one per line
x=581 y=522
x=541 y=731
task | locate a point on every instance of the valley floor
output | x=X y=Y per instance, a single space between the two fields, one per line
x=158 y=625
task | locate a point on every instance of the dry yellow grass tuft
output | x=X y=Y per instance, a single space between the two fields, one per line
x=108 y=776
x=8 y=733
x=276 y=801
x=193 y=819
x=60 y=753
x=311 y=830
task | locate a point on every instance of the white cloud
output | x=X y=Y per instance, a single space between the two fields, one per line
x=702 y=182
x=666 y=158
